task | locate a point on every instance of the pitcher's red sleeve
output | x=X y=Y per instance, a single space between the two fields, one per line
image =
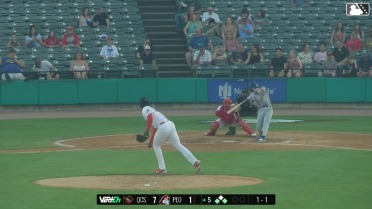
x=149 y=122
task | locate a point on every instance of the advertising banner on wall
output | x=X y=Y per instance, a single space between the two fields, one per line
x=219 y=89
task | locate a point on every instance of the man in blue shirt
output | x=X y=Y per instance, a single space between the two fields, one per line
x=245 y=30
x=11 y=68
x=195 y=43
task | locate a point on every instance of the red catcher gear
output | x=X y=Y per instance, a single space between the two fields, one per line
x=244 y=125
x=214 y=126
x=221 y=112
x=227 y=102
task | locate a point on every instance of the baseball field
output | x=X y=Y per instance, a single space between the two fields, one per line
x=309 y=161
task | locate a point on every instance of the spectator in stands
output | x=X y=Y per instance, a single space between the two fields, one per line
x=359 y=32
x=85 y=18
x=13 y=43
x=194 y=44
x=52 y=40
x=212 y=30
x=185 y=9
x=141 y=48
x=354 y=44
x=261 y=19
x=294 y=65
x=341 y=53
x=329 y=66
x=368 y=41
x=33 y=39
x=147 y=58
x=228 y=27
x=11 y=68
x=239 y=56
x=210 y=14
x=101 y=18
x=192 y=25
x=321 y=56
x=230 y=44
x=109 y=51
x=338 y=34
x=202 y=57
x=305 y=56
x=255 y=55
x=278 y=64
x=350 y=68
x=79 y=66
x=70 y=38
x=244 y=14
x=299 y=3
x=245 y=29
x=365 y=65
x=219 y=56
x=46 y=70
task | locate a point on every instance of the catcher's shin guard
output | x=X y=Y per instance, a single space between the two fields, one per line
x=246 y=127
x=232 y=131
x=214 y=126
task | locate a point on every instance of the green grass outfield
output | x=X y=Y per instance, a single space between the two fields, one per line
x=311 y=179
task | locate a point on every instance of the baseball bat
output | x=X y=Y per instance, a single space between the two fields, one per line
x=235 y=107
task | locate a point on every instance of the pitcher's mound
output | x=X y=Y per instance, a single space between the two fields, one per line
x=151 y=182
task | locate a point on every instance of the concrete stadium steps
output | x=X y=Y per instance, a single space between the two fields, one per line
x=169 y=47
x=165 y=55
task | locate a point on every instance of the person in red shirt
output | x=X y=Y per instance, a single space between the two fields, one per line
x=70 y=38
x=354 y=43
x=231 y=120
x=52 y=40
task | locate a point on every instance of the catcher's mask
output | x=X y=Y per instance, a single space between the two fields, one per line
x=227 y=102
x=144 y=102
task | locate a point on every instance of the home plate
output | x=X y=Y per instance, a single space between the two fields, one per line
x=229 y=141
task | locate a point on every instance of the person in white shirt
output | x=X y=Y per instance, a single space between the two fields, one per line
x=202 y=57
x=46 y=70
x=210 y=14
x=109 y=51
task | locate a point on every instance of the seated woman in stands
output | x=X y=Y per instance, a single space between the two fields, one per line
x=79 y=66
x=338 y=34
x=85 y=18
x=230 y=44
x=192 y=25
x=52 y=40
x=228 y=27
x=294 y=65
x=255 y=55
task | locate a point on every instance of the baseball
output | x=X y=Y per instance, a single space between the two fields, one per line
x=147 y=185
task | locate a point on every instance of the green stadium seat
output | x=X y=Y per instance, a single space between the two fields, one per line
x=312 y=70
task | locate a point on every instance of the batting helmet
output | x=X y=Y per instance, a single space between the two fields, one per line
x=253 y=85
x=144 y=102
x=227 y=102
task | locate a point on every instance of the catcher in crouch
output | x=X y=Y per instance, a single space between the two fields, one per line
x=231 y=120
x=163 y=130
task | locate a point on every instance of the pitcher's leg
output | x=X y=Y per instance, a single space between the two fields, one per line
x=159 y=138
x=174 y=139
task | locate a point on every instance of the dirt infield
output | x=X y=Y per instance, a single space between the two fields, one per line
x=195 y=141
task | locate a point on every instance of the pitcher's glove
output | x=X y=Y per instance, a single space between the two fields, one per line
x=142 y=137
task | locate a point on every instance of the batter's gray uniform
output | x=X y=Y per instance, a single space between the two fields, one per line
x=260 y=98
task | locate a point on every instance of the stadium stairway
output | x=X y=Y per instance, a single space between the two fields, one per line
x=169 y=46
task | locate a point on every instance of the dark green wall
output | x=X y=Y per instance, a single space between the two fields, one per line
x=168 y=90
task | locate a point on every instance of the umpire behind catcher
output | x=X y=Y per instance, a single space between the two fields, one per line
x=247 y=109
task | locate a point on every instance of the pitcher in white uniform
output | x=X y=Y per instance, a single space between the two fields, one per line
x=163 y=130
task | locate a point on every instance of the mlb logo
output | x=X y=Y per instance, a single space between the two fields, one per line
x=357 y=9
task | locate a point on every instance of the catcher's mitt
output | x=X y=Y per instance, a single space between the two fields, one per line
x=142 y=137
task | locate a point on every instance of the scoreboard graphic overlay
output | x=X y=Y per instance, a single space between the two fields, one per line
x=185 y=199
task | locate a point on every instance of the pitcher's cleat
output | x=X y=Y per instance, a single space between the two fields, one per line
x=197 y=166
x=160 y=171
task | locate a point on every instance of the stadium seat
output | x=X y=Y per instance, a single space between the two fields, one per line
x=259 y=70
x=241 y=71
x=312 y=70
